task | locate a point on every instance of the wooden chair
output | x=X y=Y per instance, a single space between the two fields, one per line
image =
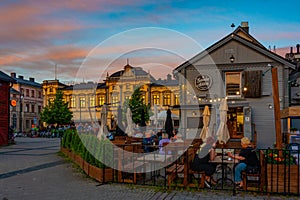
x=259 y=175
x=175 y=169
x=189 y=173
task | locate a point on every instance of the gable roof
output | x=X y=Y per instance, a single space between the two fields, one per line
x=244 y=38
x=6 y=78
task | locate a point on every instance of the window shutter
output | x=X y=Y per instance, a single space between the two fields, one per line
x=253 y=83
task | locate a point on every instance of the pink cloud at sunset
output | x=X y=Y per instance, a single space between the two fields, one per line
x=37 y=35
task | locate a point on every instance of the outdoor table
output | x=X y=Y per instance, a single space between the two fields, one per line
x=224 y=162
x=156 y=161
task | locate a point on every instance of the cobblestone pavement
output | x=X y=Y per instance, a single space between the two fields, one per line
x=32 y=169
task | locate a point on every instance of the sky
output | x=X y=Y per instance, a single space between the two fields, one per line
x=59 y=39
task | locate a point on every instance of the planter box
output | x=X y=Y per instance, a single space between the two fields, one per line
x=78 y=160
x=282 y=178
x=86 y=166
x=101 y=175
x=65 y=151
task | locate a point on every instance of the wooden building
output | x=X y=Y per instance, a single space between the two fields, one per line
x=5 y=85
x=238 y=68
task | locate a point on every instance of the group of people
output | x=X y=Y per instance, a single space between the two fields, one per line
x=160 y=139
x=202 y=162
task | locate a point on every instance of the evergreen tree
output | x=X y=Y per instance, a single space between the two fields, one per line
x=57 y=112
x=138 y=108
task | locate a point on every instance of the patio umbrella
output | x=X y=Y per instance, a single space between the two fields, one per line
x=222 y=132
x=120 y=127
x=169 y=123
x=129 y=128
x=205 y=130
x=155 y=117
x=103 y=128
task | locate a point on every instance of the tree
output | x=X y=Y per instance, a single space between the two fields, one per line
x=138 y=108
x=57 y=112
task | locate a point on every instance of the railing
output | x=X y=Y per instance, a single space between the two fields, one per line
x=279 y=169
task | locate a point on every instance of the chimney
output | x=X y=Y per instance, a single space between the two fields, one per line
x=13 y=75
x=31 y=79
x=245 y=26
x=169 y=77
x=298 y=48
x=291 y=50
x=21 y=77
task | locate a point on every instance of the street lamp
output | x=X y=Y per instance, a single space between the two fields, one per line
x=21 y=113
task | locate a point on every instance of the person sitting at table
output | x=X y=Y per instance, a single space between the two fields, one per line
x=148 y=142
x=202 y=159
x=163 y=142
x=246 y=157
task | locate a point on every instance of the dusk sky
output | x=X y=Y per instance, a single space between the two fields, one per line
x=37 y=35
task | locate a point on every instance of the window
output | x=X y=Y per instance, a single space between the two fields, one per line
x=115 y=100
x=127 y=97
x=39 y=109
x=167 y=99
x=27 y=108
x=233 y=83
x=82 y=102
x=27 y=92
x=32 y=93
x=32 y=108
x=101 y=100
x=92 y=101
x=127 y=87
x=156 y=99
x=144 y=98
x=176 y=99
x=73 y=104
x=40 y=94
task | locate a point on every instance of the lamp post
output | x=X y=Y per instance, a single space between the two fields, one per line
x=21 y=113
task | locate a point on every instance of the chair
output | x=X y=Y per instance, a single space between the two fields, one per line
x=189 y=173
x=259 y=175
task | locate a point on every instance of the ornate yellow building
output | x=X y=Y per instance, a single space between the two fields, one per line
x=86 y=99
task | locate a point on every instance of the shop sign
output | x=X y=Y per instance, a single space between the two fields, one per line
x=203 y=82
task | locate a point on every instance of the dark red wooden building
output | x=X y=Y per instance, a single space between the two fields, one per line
x=5 y=84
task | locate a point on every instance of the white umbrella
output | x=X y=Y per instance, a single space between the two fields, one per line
x=103 y=129
x=223 y=133
x=129 y=128
x=155 y=116
x=205 y=130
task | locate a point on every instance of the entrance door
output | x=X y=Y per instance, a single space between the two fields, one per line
x=235 y=122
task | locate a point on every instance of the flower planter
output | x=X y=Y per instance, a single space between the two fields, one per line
x=283 y=179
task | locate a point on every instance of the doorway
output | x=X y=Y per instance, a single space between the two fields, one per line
x=235 y=122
